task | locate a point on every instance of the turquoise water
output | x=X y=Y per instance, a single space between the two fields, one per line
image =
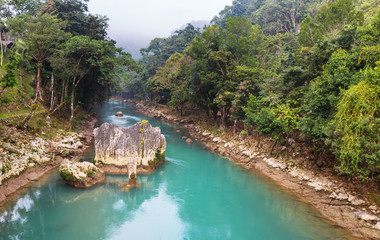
x=194 y=195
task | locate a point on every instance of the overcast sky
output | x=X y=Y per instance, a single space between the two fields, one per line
x=133 y=23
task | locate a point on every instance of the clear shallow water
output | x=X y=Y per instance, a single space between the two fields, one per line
x=194 y=195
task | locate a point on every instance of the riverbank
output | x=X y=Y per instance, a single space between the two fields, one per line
x=26 y=158
x=331 y=196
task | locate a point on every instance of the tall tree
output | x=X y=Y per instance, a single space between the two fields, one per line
x=41 y=34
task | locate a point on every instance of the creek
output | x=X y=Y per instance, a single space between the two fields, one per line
x=196 y=194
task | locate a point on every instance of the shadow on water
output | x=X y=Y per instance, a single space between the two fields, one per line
x=194 y=195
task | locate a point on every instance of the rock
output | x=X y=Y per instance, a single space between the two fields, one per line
x=320 y=184
x=217 y=139
x=184 y=137
x=342 y=196
x=377 y=226
x=81 y=174
x=140 y=144
x=333 y=195
x=351 y=198
x=119 y=114
x=373 y=208
x=367 y=217
x=189 y=140
x=357 y=202
x=49 y=123
x=68 y=140
x=227 y=145
x=275 y=163
x=205 y=134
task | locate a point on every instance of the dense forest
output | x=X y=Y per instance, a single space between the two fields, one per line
x=299 y=69
x=56 y=54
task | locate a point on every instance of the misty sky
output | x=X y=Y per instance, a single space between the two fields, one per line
x=133 y=23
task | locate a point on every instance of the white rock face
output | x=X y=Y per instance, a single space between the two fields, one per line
x=128 y=146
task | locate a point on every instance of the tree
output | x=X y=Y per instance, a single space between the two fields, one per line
x=328 y=22
x=41 y=34
x=281 y=15
x=79 y=21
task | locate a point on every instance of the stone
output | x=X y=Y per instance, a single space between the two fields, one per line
x=205 y=134
x=342 y=196
x=377 y=226
x=351 y=198
x=373 y=208
x=49 y=123
x=275 y=163
x=119 y=114
x=320 y=184
x=357 y=202
x=139 y=145
x=81 y=174
x=189 y=140
x=227 y=145
x=217 y=139
x=367 y=217
x=333 y=195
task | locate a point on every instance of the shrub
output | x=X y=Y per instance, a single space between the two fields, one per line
x=355 y=136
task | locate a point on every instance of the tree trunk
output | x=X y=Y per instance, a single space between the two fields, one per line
x=31 y=113
x=274 y=144
x=38 y=80
x=65 y=91
x=2 y=51
x=72 y=106
x=52 y=91
x=181 y=109
x=234 y=129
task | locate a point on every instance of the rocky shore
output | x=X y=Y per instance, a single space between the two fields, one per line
x=327 y=194
x=25 y=158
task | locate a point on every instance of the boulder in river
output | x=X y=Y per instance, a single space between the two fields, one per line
x=81 y=174
x=139 y=148
x=119 y=114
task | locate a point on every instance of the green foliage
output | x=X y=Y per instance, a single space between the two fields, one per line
x=6 y=166
x=356 y=127
x=330 y=19
x=324 y=92
x=263 y=118
x=10 y=78
x=65 y=174
x=159 y=156
x=41 y=33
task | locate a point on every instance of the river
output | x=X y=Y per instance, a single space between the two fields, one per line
x=196 y=194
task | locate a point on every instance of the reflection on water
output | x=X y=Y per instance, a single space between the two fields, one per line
x=194 y=195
